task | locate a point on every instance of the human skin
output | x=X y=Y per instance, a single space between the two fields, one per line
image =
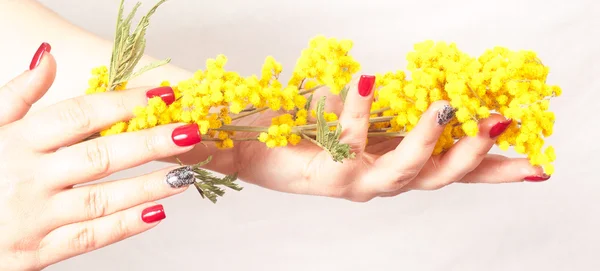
x=380 y=169
x=79 y=51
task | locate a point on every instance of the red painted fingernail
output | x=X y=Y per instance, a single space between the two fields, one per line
x=186 y=135
x=499 y=128
x=365 y=85
x=540 y=178
x=165 y=93
x=153 y=214
x=37 y=58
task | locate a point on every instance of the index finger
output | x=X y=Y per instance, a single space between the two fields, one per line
x=73 y=120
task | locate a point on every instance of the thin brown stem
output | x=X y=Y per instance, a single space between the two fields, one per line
x=232 y=138
x=334 y=123
x=369 y=134
x=381 y=110
x=250 y=111
x=310 y=90
x=297 y=129
x=231 y=128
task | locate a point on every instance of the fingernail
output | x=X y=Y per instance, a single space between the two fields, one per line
x=365 y=85
x=153 y=214
x=539 y=178
x=499 y=128
x=37 y=58
x=165 y=93
x=186 y=135
x=181 y=177
x=445 y=115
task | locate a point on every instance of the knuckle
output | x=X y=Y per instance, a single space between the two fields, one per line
x=76 y=115
x=360 y=198
x=121 y=230
x=403 y=177
x=96 y=203
x=97 y=157
x=358 y=115
x=432 y=186
x=152 y=142
x=84 y=240
x=13 y=90
x=122 y=105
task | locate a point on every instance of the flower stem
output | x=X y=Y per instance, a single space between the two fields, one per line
x=381 y=110
x=232 y=138
x=334 y=123
x=296 y=129
x=249 y=112
x=369 y=134
x=231 y=128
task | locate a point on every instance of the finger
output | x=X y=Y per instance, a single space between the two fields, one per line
x=465 y=155
x=18 y=95
x=73 y=120
x=334 y=102
x=103 y=156
x=501 y=169
x=354 y=118
x=79 y=238
x=382 y=147
x=493 y=169
x=102 y=199
x=398 y=167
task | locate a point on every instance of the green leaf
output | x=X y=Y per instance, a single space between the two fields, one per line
x=330 y=140
x=344 y=93
x=308 y=102
x=128 y=48
x=208 y=185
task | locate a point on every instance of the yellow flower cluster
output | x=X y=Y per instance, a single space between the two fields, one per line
x=326 y=61
x=510 y=83
x=280 y=133
x=99 y=81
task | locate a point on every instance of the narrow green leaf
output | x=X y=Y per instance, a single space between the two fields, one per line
x=150 y=66
x=330 y=140
x=128 y=48
x=208 y=185
x=344 y=93
x=309 y=101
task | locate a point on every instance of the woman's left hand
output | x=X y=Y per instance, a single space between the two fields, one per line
x=382 y=168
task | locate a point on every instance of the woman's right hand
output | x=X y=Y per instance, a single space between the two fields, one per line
x=47 y=216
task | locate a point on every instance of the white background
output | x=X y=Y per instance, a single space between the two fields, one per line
x=541 y=226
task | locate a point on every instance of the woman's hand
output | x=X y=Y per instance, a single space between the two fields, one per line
x=384 y=167
x=47 y=216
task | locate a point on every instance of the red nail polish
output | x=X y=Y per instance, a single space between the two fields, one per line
x=153 y=214
x=365 y=85
x=540 y=178
x=186 y=135
x=37 y=58
x=165 y=93
x=499 y=128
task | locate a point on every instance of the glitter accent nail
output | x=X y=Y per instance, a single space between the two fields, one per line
x=181 y=177
x=445 y=115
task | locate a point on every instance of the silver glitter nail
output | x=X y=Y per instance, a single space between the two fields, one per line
x=445 y=115
x=180 y=177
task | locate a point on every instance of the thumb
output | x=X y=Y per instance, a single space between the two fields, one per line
x=17 y=96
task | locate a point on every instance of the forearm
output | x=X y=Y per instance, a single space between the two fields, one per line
x=25 y=24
